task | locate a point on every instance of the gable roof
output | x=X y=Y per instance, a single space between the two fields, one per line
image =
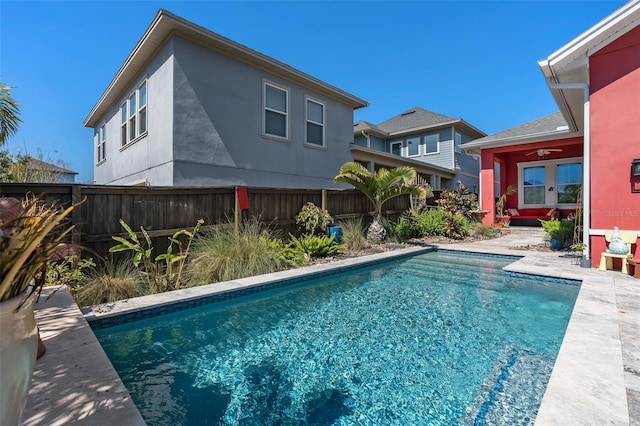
x=34 y=164
x=413 y=120
x=165 y=24
x=567 y=65
x=552 y=126
x=570 y=63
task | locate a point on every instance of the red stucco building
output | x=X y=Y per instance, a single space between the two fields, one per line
x=591 y=143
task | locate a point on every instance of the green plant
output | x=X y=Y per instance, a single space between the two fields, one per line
x=458 y=226
x=433 y=222
x=31 y=234
x=312 y=219
x=165 y=271
x=561 y=230
x=460 y=200
x=114 y=281
x=353 y=235
x=511 y=189
x=9 y=113
x=315 y=245
x=67 y=271
x=380 y=187
x=225 y=253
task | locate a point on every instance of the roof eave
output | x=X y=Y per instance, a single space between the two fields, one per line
x=469 y=127
x=165 y=24
x=474 y=147
x=394 y=161
x=570 y=63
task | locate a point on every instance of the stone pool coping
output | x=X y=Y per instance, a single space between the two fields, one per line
x=75 y=382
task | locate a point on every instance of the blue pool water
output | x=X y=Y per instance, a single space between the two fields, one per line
x=435 y=339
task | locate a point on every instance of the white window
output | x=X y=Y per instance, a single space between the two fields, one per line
x=315 y=123
x=458 y=142
x=276 y=111
x=396 y=148
x=431 y=144
x=547 y=183
x=413 y=147
x=123 y=124
x=133 y=113
x=101 y=139
x=142 y=107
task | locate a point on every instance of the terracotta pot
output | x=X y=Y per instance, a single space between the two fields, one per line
x=18 y=347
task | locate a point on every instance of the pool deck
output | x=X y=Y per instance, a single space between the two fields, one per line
x=595 y=381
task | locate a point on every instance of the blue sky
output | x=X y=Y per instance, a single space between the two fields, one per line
x=475 y=60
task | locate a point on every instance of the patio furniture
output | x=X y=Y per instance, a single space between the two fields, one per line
x=606 y=258
x=634 y=268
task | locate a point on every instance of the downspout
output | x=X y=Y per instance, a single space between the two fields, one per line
x=586 y=171
x=368 y=138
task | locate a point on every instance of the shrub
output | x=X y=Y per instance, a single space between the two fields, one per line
x=561 y=230
x=115 y=281
x=433 y=222
x=315 y=245
x=226 y=253
x=458 y=226
x=458 y=201
x=165 y=271
x=312 y=219
x=353 y=235
x=67 y=271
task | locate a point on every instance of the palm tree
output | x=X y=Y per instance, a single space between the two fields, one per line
x=379 y=188
x=9 y=111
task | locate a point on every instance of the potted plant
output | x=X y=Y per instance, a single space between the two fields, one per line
x=582 y=254
x=501 y=217
x=559 y=232
x=30 y=235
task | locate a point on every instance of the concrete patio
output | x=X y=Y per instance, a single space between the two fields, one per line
x=596 y=379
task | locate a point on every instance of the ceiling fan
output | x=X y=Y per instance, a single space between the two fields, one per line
x=542 y=151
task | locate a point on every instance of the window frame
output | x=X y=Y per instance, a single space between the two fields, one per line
x=401 y=143
x=287 y=121
x=308 y=121
x=130 y=127
x=551 y=197
x=411 y=140
x=457 y=145
x=101 y=143
x=437 y=151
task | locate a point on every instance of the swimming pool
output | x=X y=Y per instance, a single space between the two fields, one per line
x=438 y=338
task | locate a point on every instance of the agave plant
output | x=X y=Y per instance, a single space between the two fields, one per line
x=31 y=235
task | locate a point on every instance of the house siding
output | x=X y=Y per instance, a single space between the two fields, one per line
x=149 y=157
x=218 y=127
x=469 y=167
x=614 y=73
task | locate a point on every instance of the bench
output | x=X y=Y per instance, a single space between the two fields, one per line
x=606 y=258
x=530 y=216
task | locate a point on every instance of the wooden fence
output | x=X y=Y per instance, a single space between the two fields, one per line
x=164 y=210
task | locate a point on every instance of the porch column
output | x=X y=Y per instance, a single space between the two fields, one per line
x=371 y=166
x=487 y=188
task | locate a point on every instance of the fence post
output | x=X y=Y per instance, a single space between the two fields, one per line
x=324 y=199
x=76 y=198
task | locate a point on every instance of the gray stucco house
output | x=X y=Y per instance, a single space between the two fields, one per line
x=428 y=141
x=192 y=108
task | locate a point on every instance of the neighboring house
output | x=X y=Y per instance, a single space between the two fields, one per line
x=43 y=172
x=593 y=142
x=192 y=108
x=430 y=142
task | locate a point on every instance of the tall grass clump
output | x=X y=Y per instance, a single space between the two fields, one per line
x=226 y=254
x=116 y=280
x=353 y=235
